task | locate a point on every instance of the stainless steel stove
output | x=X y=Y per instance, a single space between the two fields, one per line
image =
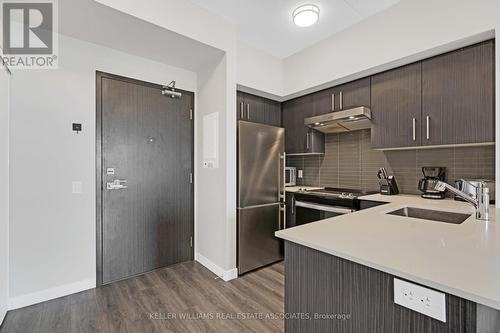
x=314 y=205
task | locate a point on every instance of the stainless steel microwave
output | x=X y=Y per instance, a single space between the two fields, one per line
x=290 y=176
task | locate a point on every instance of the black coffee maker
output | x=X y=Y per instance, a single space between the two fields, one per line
x=427 y=184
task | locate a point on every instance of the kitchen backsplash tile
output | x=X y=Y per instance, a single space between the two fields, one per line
x=350 y=162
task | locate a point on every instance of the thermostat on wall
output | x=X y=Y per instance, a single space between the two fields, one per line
x=77 y=128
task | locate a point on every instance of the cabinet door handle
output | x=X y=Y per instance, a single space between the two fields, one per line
x=307 y=141
x=333 y=102
x=428 y=119
x=414 y=121
x=341 y=100
x=241 y=110
x=248 y=111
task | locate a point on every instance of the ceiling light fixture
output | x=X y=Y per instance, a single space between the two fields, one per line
x=306 y=15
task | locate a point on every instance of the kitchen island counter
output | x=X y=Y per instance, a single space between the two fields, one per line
x=459 y=259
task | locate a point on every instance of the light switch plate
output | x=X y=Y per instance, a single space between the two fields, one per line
x=423 y=300
x=76 y=187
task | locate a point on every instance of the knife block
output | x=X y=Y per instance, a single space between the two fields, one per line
x=391 y=188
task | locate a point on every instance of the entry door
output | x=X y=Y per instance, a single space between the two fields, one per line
x=147 y=150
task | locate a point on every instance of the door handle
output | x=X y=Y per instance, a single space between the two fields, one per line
x=414 y=123
x=241 y=111
x=248 y=111
x=341 y=100
x=117 y=184
x=307 y=141
x=333 y=102
x=427 y=119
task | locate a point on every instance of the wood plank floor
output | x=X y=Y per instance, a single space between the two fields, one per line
x=156 y=302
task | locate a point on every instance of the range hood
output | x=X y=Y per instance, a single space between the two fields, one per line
x=341 y=121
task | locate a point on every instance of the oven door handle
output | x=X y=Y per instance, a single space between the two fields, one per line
x=325 y=208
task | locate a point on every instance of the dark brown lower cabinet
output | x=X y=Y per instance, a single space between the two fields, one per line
x=324 y=293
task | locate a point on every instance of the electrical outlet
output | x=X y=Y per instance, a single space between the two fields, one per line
x=417 y=298
x=300 y=174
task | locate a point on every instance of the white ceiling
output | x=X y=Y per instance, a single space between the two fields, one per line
x=267 y=24
x=92 y=22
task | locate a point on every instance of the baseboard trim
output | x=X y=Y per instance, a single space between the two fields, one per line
x=51 y=293
x=226 y=275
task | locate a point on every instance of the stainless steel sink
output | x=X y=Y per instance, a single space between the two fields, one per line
x=433 y=215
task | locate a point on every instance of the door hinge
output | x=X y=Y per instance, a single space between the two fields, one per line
x=191 y=178
x=190 y=114
x=191 y=241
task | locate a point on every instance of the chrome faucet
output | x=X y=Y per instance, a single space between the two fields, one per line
x=481 y=200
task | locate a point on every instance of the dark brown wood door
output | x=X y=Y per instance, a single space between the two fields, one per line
x=352 y=94
x=458 y=96
x=397 y=108
x=147 y=140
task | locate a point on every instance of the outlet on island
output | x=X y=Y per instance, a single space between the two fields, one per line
x=423 y=300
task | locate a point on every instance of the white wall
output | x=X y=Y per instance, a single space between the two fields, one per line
x=4 y=190
x=183 y=17
x=211 y=184
x=403 y=33
x=259 y=72
x=216 y=189
x=52 y=236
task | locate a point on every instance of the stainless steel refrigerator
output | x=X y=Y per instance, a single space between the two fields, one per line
x=261 y=211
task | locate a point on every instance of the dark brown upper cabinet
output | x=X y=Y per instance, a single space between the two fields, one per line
x=240 y=105
x=458 y=96
x=322 y=102
x=397 y=108
x=352 y=94
x=258 y=109
x=346 y=96
x=299 y=139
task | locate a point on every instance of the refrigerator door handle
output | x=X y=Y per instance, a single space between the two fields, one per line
x=279 y=219
x=283 y=209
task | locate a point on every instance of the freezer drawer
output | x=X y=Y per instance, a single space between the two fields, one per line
x=257 y=245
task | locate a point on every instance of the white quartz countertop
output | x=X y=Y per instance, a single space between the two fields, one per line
x=297 y=188
x=459 y=259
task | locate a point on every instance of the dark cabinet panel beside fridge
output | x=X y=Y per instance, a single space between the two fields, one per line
x=261 y=208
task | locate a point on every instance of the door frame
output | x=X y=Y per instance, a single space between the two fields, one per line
x=99 y=165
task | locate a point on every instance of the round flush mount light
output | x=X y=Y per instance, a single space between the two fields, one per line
x=306 y=15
